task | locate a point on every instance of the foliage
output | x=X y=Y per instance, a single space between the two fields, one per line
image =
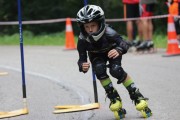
x=45 y=9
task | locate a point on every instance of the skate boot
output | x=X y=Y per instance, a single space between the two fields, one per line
x=141 y=47
x=133 y=44
x=150 y=46
x=136 y=43
x=140 y=102
x=147 y=45
x=116 y=104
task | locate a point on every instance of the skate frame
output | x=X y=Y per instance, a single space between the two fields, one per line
x=151 y=51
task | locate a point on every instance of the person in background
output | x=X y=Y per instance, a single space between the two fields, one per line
x=146 y=8
x=174 y=9
x=177 y=24
x=131 y=10
x=102 y=44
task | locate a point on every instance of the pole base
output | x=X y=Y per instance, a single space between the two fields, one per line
x=14 y=113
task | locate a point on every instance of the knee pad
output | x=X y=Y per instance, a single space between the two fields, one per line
x=99 y=67
x=118 y=72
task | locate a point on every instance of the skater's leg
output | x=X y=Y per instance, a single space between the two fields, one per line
x=135 y=95
x=115 y=100
x=112 y=94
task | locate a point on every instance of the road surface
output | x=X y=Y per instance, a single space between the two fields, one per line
x=52 y=78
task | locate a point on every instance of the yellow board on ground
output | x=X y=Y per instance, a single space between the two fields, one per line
x=75 y=108
x=3 y=73
x=13 y=113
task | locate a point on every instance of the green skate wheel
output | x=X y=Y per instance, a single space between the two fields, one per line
x=120 y=114
x=142 y=105
x=146 y=112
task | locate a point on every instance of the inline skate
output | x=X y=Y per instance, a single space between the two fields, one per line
x=140 y=102
x=145 y=46
x=116 y=107
x=136 y=43
x=133 y=44
x=116 y=104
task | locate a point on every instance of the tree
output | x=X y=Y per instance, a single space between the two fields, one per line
x=45 y=9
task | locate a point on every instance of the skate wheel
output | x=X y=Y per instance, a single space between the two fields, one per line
x=146 y=112
x=120 y=114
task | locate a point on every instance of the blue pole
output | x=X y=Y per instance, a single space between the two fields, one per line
x=95 y=87
x=93 y=74
x=21 y=49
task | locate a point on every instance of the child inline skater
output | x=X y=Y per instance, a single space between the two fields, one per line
x=103 y=44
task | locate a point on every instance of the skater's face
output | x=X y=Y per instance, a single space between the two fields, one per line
x=91 y=27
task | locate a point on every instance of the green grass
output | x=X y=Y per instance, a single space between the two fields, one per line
x=160 y=41
x=55 y=39
x=58 y=39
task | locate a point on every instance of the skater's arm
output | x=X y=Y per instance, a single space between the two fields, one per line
x=82 y=62
x=122 y=46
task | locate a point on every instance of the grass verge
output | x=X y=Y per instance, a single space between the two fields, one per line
x=58 y=39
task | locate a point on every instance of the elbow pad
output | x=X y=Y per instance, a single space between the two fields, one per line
x=123 y=47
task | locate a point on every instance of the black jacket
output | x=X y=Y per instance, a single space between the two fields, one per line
x=110 y=40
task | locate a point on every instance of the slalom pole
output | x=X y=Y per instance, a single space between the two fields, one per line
x=95 y=87
x=85 y=2
x=24 y=110
x=93 y=74
x=78 y=108
x=22 y=53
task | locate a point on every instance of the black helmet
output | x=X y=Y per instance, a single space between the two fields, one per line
x=88 y=14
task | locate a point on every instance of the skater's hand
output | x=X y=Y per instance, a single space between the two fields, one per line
x=113 y=53
x=85 y=66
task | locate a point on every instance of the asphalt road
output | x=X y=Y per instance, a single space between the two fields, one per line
x=52 y=78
